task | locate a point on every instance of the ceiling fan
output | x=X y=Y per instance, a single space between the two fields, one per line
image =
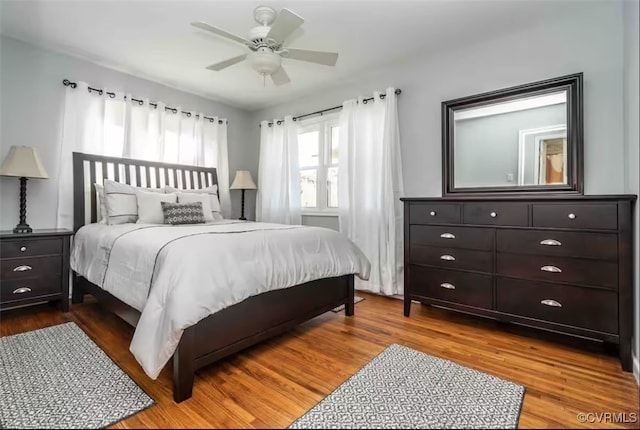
x=266 y=43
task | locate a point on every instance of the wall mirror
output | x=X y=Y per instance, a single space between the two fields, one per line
x=524 y=139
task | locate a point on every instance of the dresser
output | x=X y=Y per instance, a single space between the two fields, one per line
x=34 y=268
x=560 y=264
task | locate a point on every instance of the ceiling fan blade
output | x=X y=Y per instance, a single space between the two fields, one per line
x=326 y=58
x=226 y=63
x=280 y=77
x=286 y=23
x=220 y=32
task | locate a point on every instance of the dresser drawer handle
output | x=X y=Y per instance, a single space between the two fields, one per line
x=447 y=257
x=432 y=213
x=551 y=303
x=572 y=216
x=552 y=269
x=550 y=242
x=22 y=268
x=448 y=236
x=493 y=214
x=448 y=286
x=21 y=290
x=23 y=248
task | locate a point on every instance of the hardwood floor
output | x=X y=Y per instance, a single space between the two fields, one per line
x=272 y=384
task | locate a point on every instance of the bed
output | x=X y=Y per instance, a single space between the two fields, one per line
x=225 y=331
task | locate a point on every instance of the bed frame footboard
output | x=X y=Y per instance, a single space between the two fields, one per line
x=237 y=327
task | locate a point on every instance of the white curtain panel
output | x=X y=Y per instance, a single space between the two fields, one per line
x=121 y=127
x=370 y=186
x=278 y=198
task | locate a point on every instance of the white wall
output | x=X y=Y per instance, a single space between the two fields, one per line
x=32 y=100
x=588 y=43
x=632 y=141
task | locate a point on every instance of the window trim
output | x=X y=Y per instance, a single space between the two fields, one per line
x=323 y=124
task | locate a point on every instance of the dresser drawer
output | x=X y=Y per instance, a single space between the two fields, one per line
x=21 y=268
x=559 y=269
x=453 y=237
x=452 y=258
x=449 y=285
x=600 y=246
x=574 y=215
x=588 y=308
x=30 y=247
x=27 y=288
x=434 y=213
x=496 y=214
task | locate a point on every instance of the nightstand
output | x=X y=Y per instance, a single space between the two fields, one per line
x=34 y=267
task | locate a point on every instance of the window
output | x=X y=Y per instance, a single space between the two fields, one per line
x=318 y=150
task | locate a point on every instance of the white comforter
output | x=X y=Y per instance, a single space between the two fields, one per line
x=178 y=275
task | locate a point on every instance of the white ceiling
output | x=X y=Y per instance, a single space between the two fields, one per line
x=153 y=39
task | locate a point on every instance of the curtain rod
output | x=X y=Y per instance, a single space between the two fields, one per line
x=321 y=112
x=68 y=83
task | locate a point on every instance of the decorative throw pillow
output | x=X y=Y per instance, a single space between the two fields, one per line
x=202 y=198
x=121 y=202
x=182 y=213
x=211 y=191
x=149 y=207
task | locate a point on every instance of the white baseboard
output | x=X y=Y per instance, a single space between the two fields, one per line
x=636 y=369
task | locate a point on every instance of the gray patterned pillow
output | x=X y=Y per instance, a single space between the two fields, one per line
x=182 y=213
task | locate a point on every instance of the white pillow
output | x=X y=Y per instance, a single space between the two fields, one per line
x=211 y=191
x=101 y=204
x=121 y=202
x=202 y=198
x=149 y=207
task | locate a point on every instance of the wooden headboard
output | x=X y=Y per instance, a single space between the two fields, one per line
x=89 y=169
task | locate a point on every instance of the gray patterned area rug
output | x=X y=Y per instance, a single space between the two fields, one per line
x=405 y=388
x=57 y=377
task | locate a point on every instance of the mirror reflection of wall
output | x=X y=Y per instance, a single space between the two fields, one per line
x=519 y=142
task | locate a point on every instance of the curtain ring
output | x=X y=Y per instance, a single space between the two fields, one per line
x=140 y=102
x=112 y=95
x=188 y=114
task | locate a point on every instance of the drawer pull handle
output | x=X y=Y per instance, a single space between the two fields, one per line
x=448 y=286
x=21 y=290
x=552 y=269
x=572 y=216
x=22 y=268
x=432 y=213
x=551 y=303
x=550 y=242
x=23 y=248
x=448 y=236
x=447 y=257
x=493 y=214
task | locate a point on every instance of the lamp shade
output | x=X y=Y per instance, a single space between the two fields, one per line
x=23 y=161
x=243 y=181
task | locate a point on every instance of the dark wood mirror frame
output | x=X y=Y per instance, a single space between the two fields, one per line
x=572 y=84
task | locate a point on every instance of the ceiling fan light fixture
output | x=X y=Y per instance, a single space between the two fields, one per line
x=264 y=61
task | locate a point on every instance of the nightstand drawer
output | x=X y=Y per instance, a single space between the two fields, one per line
x=19 y=289
x=30 y=247
x=21 y=268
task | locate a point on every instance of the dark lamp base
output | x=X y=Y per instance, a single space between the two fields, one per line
x=23 y=228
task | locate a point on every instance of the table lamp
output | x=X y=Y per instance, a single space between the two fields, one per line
x=23 y=162
x=243 y=181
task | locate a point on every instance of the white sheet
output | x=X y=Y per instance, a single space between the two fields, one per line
x=178 y=275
